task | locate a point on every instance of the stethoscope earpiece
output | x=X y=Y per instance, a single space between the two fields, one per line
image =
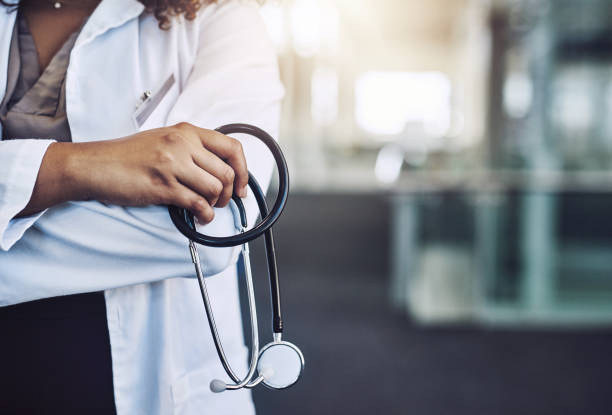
x=282 y=366
x=217 y=386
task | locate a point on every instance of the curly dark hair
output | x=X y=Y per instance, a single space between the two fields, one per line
x=163 y=10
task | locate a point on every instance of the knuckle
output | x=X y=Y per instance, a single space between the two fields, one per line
x=228 y=175
x=236 y=146
x=163 y=157
x=198 y=205
x=172 y=137
x=216 y=187
x=183 y=125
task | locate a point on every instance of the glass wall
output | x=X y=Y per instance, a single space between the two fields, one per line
x=486 y=123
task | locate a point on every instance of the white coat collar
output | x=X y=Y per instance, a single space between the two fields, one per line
x=108 y=15
x=7 y=22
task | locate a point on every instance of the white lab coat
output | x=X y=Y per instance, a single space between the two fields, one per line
x=225 y=71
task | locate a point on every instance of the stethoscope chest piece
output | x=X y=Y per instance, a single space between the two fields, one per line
x=280 y=364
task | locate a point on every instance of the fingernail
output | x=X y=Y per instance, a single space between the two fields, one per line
x=243 y=192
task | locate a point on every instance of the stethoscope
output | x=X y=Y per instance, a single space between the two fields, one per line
x=279 y=364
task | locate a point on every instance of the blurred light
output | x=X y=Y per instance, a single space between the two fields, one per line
x=573 y=107
x=324 y=96
x=272 y=14
x=518 y=95
x=389 y=163
x=330 y=29
x=314 y=27
x=458 y=127
x=574 y=110
x=386 y=101
x=306 y=27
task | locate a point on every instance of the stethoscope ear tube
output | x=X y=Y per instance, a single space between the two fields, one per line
x=277 y=321
x=184 y=222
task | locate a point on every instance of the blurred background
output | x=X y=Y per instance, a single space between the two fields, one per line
x=447 y=247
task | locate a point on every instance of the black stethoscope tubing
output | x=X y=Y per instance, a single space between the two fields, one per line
x=184 y=222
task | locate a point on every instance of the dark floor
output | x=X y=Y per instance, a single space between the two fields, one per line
x=362 y=358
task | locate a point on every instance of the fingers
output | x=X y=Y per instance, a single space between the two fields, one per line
x=228 y=149
x=204 y=184
x=216 y=167
x=186 y=198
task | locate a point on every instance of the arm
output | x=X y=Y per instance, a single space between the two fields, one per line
x=234 y=79
x=139 y=170
x=180 y=165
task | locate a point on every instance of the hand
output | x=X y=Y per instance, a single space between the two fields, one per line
x=182 y=165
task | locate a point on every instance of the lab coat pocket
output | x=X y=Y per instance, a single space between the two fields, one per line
x=153 y=111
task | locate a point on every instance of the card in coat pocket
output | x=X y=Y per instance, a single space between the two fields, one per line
x=150 y=103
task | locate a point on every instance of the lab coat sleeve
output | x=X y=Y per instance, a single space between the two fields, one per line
x=19 y=164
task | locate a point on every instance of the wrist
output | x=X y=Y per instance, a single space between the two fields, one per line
x=75 y=168
x=57 y=181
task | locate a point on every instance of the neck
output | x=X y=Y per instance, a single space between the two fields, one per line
x=75 y=4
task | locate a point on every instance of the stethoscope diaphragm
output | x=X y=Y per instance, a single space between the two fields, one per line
x=280 y=364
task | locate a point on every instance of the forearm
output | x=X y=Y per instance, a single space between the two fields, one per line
x=56 y=181
x=181 y=165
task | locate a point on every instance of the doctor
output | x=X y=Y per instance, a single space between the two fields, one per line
x=107 y=110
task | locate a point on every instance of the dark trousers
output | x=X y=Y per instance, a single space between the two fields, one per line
x=55 y=357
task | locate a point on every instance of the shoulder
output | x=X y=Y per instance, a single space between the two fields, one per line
x=230 y=16
x=233 y=11
x=236 y=25
x=214 y=21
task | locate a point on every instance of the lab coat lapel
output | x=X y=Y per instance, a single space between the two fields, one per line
x=108 y=15
x=7 y=23
x=92 y=83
